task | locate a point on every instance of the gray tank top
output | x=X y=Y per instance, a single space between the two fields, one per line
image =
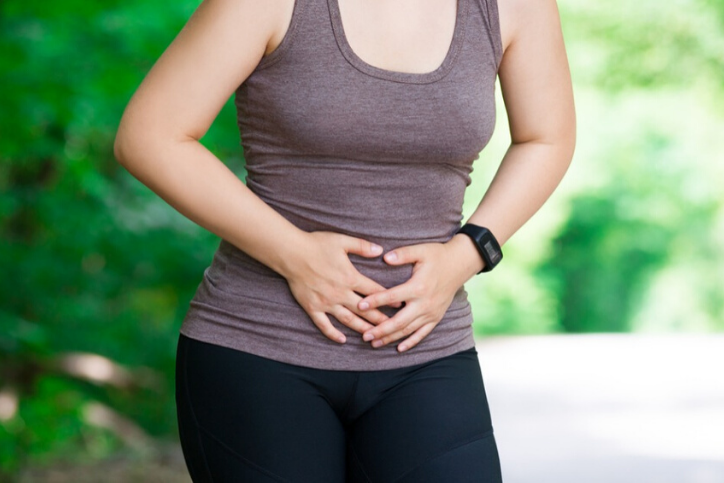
x=333 y=143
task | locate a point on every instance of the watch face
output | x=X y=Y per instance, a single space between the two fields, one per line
x=491 y=251
x=485 y=243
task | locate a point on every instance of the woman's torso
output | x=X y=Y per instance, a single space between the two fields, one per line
x=333 y=142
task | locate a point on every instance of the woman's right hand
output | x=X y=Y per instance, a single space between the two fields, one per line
x=324 y=281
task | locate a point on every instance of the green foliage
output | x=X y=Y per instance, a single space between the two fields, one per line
x=92 y=261
x=631 y=240
x=647 y=43
x=620 y=235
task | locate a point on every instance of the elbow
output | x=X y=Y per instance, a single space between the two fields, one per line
x=122 y=144
x=119 y=150
x=559 y=146
x=138 y=139
x=132 y=142
x=564 y=148
x=135 y=130
x=562 y=136
x=568 y=144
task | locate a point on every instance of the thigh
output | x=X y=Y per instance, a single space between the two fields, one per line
x=432 y=425
x=246 y=418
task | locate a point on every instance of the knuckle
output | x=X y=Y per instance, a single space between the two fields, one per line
x=343 y=318
x=317 y=306
x=388 y=297
x=361 y=244
x=323 y=325
x=408 y=329
x=375 y=320
x=379 y=317
x=353 y=321
x=318 y=301
x=372 y=316
x=325 y=328
x=415 y=338
x=349 y=279
x=398 y=325
x=425 y=308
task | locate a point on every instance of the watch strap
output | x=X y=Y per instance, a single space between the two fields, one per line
x=486 y=244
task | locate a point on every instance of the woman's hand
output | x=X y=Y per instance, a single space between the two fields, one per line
x=440 y=270
x=324 y=281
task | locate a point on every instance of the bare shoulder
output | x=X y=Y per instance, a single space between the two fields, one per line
x=520 y=16
x=217 y=49
x=265 y=20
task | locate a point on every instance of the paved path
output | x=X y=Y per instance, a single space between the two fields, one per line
x=607 y=407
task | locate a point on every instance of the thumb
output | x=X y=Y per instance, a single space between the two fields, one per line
x=361 y=247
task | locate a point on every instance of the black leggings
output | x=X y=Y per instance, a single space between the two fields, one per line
x=244 y=418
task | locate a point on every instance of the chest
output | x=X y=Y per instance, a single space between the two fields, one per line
x=322 y=98
x=410 y=36
x=372 y=120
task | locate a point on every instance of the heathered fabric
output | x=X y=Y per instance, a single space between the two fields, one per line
x=333 y=143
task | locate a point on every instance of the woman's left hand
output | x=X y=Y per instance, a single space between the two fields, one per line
x=440 y=269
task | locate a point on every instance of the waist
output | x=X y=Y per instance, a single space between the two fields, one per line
x=237 y=267
x=391 y=205
x=234 y=275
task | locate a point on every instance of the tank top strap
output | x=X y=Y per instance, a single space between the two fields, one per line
x=490 y=15
x=300 y=11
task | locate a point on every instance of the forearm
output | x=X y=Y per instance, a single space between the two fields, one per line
x=528 y=175
x=199 y=186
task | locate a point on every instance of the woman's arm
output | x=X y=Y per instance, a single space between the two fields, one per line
x=157 y=139
x=536 y=85
x=158 y=143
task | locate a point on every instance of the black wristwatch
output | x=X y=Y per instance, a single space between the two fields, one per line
x=485 y=242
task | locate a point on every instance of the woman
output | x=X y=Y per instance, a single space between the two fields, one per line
x=330 y=339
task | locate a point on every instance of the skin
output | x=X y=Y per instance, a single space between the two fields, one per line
x=158 y=143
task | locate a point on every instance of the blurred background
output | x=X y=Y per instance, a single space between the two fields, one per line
x=601 y=336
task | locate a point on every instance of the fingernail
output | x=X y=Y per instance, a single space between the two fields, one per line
x=376 y=248
x=391 y=256
x=368 y=337
x=341 y=339
x=377 y=343
x=364 y=305
x=402 y=347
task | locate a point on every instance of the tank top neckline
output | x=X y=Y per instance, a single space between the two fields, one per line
x=397 y=76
